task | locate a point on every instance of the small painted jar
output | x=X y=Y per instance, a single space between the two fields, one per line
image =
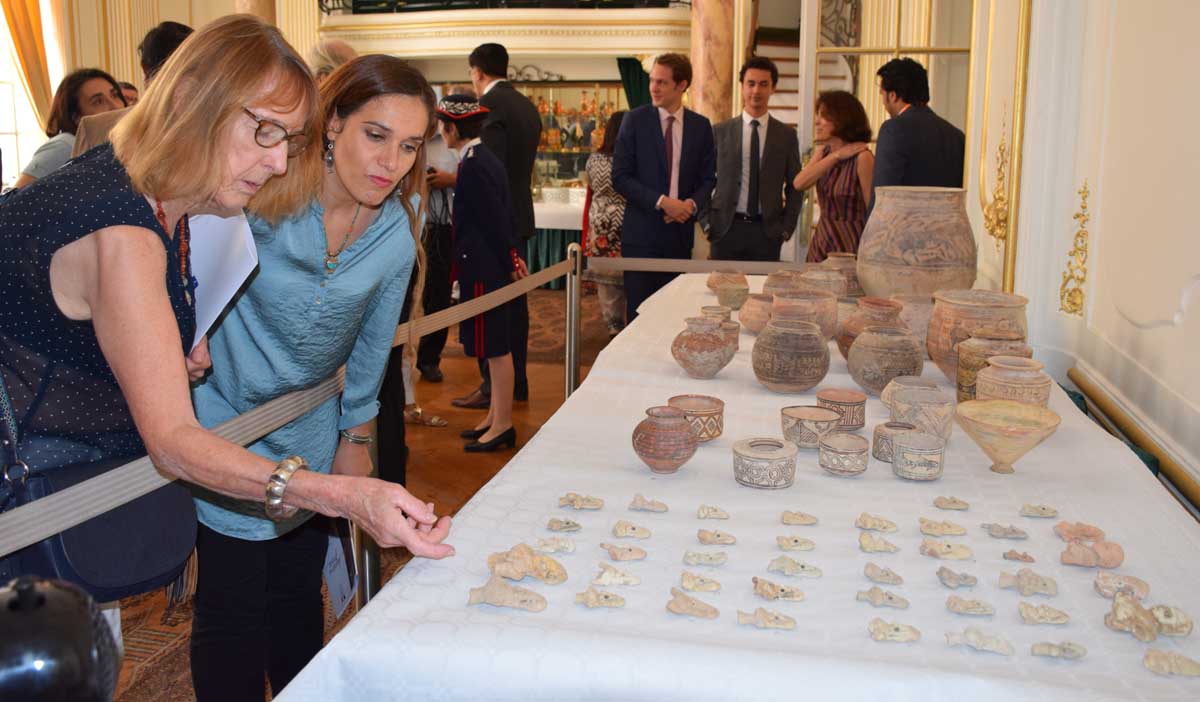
x=903 y=382
x=827 y=280
x=816 y=306
x=702 y=349
x=843 y=454
x=706 y=414
x=918 y=456
x=756 y=312
x=851 y=404
x=879 y=354
x=884 y=438
x=717 y=278
x=804 y=425
x=781 y=280
x=973 y=355
x=872 y=312
x=664 y=440
x=1014 y=378
x=930 y=411
x=732 y=295
x=764 y=463
x=719 y=312
x=847 y=265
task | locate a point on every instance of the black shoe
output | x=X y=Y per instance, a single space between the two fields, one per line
x=473 y=433
x=507 y=439
x=431 y=374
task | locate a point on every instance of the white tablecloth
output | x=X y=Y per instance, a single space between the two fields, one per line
x=557 y=215
x=419 y=640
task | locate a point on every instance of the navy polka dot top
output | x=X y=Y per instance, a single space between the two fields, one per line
x=68 y=406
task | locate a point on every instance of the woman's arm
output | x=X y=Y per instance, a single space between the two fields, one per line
x=136 y=329
x=866 y=172
x=24 y=181
x=817 y=167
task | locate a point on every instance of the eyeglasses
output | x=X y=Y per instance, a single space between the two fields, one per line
x=268 y=134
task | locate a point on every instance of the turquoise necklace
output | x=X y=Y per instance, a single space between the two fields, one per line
x=331 y=259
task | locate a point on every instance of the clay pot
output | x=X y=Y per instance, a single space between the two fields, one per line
x=973 y=355
x=851 y=404
x=847 y=265
x=732 y=295
x=1014 y=378
x=732 y=332
x=804 y=425
x=959 y=313
x=781 y=280
x=764 y=463
x=929 y=411
x=918 y=456
x=884 y=438
x=706 y=414
x=843 y=454
x=716 y=278
x=719 y=312
x=755 y=312
x=903 y=382
x=790 y=356
x=880 y=354
x=701 y=349
x=1006 y=430
x=825 y=279
x=872 y=312
x=918 y=308
x=664 y=440
x=846 y=307
x=918 y=240
x=816 y=306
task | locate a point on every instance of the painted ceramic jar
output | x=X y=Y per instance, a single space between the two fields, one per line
x=732 y=331
x=872 y=312
x=851 y=404
x=903 y=382
x=781 y=280
x=918 y=456
x=706 y=414
x=755 y=312
x=930 y=411
x=790 y=356
x=719 y=312
x=701 y=349
x=664 y=440
x=973 y=355
x=843 y=454
x=1014 y=378
x=959 y=313
x=918 y=308
x=825 y=279
x=716 y=278
x=847 y=265
x=880 y=354
x=764 y=463
x=816 y=306
x=732 y=295
x=883 y=439
x=804 y=425
x=846 y=307
x=917 y=240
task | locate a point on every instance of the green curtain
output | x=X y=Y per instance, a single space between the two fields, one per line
x=635 y=81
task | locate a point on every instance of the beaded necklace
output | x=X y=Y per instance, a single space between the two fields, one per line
x=184 y=237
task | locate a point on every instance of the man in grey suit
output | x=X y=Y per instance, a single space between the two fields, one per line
x=754 y=207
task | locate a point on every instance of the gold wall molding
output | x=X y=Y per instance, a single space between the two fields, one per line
x=1071 y=293
x=995 y=213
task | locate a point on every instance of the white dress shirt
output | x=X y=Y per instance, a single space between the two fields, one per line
x=676 y=146
x=491 y=85
x=743 y=201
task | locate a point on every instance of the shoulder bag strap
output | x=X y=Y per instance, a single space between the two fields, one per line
x=14 y=472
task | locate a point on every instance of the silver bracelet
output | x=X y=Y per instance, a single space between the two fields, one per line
x=356 y=438
x=277 y=485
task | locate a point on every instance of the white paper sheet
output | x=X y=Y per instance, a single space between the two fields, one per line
x=222 y=256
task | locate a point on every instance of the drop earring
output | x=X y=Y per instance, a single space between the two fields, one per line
x=329 y=156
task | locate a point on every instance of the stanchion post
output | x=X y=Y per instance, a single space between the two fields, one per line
x=575 y=256
x=366 y=551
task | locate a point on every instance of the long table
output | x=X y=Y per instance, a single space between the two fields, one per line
x=419 y=640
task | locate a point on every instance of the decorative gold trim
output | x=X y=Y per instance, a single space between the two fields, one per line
x=1070 y=293
x=531 y=22
x=1018 y=138
x=995 y=213
x=893 y=51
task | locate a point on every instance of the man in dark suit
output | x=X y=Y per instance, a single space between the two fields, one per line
x=915 y=146
x=665 y=166
x=754 y=208
x=511 y=132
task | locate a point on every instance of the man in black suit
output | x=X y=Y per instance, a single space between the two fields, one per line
x=754 y=208
x=511 y=132
x=665 y=166
x=915 y=146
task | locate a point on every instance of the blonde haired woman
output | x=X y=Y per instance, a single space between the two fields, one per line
x=98 y=315
x=328 y=55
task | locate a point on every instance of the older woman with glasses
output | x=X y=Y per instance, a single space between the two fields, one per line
x=98 y=318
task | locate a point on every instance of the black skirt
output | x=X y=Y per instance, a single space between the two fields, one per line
x=484 y=335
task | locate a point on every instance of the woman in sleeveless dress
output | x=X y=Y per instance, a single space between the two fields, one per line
x=605 y=215
x=841 y=168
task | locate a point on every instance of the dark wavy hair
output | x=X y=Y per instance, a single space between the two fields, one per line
x=610 y=132
x=65 y=111
x=849 y=119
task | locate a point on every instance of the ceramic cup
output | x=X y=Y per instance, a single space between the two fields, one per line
x=706 y=414
x=843 y=454
x=764 y=463
x=918 y=456
x=804 y=425
x=930 y=411
x=720 y=312
x=884 y=438
x=851 y=404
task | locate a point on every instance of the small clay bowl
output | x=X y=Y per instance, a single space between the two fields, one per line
x=764 y=463
x=804 y=425
x=720 y=312
x=904 y=382
x=843 y=454
x=918 y=456
x=883 y=444
x=851 y=404
x=705 y=413
x=732 y=295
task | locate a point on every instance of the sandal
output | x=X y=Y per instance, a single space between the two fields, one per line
x=415 y=415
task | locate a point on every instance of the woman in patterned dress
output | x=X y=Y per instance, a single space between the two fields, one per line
x=604 y=226
x=842 y=171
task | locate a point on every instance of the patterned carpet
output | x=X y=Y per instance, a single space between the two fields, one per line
x=156 y=665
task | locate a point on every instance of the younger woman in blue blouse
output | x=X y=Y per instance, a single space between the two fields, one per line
x=329 y=289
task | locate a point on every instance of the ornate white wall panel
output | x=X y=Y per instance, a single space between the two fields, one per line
x=105 y=33
x=531 y=32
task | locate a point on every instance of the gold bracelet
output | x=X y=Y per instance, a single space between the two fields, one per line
x=356 y=438
x=277 y=485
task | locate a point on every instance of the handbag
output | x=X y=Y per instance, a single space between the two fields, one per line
x=137 y=547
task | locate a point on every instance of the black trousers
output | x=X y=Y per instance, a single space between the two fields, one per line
x=518 y=337
x=745 y=241
x=640 y=285
x=389 y=424
x=439 y=252
x=258 y=611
